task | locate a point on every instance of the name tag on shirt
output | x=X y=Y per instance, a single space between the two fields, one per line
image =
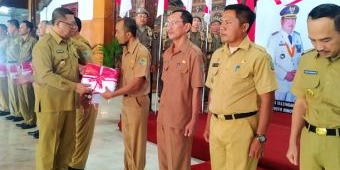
x=310 y=72
x=215 y=64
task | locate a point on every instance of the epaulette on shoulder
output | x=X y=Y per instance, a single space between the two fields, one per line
x=275 y=32
x=309 y=51
x=259 y=47
x=296 y=32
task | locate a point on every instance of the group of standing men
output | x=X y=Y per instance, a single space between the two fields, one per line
x=242 y=83
x=17 y=98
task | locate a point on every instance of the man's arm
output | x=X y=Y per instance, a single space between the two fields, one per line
x=267 y=102
x=196 y=105
x=135 y=85
x=207 y=125
x=295 y=131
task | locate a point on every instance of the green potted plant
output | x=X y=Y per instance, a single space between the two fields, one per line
x=112 y=53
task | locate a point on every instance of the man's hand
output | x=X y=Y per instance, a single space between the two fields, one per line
x=206 y=134
x=256 y=149
x=290 y=75
x=83 y=88
x=107 y=94
x=190 y=128
x=293 y=154
x=81 y=69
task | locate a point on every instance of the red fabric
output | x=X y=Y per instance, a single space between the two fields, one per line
x=276 y=146
x=95 y=70
x=118 y=1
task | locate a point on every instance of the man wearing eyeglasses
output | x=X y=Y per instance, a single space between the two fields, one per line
x=181 y=96
x=56 y=73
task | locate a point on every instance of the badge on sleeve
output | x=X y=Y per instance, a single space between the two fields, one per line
x=142 y=61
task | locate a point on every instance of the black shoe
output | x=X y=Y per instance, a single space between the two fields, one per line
x=10 y=117
x=17 y=119
x=2 y=113
x=69 y=168
x=36 y=135
x=32 y=133
x=20 y=124
x=27 y=126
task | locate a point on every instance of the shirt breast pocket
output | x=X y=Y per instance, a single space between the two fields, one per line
x=312 y=86
x=61 y=62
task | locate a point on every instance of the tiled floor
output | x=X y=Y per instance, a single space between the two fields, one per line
x=17 y=149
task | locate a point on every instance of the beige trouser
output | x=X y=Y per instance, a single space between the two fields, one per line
x=13 y=98
x=85 y=122
x=319 y=152
x=174 y=149
x=134 y=127
x=26 y=103
x=56 y=140
x=4 y=94
x=229 y=142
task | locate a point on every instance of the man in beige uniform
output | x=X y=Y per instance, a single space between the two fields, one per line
x=56 y=73
x=12 y=48
x=242 y=84
x=4 y=108
x=25 y=91
x=86 y=115
x=181 y=96
x=43 y=28
x=316 y=113
x=135 y=86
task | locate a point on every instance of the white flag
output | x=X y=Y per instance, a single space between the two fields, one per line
x=161 y=7
x=229 y=2
x=188 y=5
x=207 y=10
x=125 y=6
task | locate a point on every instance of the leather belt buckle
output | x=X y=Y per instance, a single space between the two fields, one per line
x=321 y=131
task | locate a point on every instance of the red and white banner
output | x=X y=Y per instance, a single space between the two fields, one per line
x=125 y=7
x=207 y=11
x=161 y=7
x=230 y=2
x=187 y=5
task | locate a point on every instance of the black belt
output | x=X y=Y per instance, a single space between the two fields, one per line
x=321 y=131
x=236 y=115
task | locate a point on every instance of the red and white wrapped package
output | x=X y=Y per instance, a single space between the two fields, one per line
x=3 y=70
x=100 y=77
x=21 y=73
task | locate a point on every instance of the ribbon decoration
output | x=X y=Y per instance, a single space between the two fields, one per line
x=290 y=52
x=99 y=74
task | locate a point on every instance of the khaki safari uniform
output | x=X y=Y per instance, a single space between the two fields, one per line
x=85 y=117
x=4 y=106
x=182 y=72
x=317 y=80
x=25 y=91
x=135 y=63
x=12 y=49
x=236 y=80
x=55 y=64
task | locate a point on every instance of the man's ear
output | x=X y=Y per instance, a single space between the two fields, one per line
x=187 y=27
x=245 y=27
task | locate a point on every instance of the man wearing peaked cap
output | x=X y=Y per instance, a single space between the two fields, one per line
x=285 y=47
x=142 y=10
x=289 y=11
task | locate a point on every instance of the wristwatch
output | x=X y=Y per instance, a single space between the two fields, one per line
x=261 y=138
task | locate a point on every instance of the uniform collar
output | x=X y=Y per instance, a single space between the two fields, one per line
x=284 y=33
x=133 y=46
x=184 y=46
x=57 y=37
x=245 y=45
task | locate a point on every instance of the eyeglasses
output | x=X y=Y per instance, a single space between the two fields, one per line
x=172 y=23
x=73 y=24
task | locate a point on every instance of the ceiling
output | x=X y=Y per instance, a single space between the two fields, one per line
x=23 y=4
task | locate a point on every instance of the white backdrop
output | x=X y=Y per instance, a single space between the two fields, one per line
x=268 y=19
